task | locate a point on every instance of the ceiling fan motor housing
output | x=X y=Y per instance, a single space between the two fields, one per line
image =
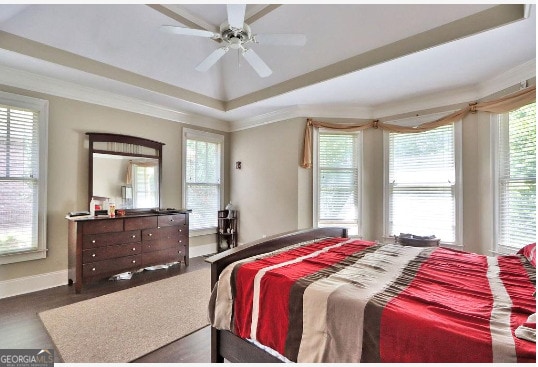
x=234 y=36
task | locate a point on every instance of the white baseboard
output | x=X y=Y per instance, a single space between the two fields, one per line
x=195 y=251
x=15 y=287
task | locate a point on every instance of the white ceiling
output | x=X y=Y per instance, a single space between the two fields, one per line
x=359 y=60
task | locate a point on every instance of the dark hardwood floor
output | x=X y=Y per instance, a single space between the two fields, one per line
x=21 y=328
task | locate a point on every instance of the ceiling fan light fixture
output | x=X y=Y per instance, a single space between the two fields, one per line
x=235 y=43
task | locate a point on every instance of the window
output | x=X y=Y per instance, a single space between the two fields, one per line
x=23 y=160
x=202 y=187
x=515 y=161
x=422 y=183
x=145 y=184
x=336 y=182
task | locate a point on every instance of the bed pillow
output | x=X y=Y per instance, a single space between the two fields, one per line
x=529 y=251
x=527 y=331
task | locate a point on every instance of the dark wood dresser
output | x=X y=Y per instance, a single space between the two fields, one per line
x=102 y=247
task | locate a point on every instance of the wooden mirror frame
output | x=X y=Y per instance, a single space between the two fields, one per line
x=123 y=139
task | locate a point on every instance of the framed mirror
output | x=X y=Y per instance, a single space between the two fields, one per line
x=126 y=170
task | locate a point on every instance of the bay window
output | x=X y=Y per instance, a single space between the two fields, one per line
x=514 y=142
x=422 y=183
x=337 y=180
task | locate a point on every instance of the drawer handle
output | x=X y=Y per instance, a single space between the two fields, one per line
x=179 y=241
x=93 y=269
x=150 y=234
x=180 y=230
x=133 y=236
x=134 y=261
x=134 y=248
x=93 y=255
x=171 y=220
x=93 y=241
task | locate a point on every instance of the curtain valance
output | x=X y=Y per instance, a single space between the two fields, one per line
x=502 y=105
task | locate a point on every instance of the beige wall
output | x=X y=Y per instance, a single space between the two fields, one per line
x=67 y=190
x=274 y=194
x=265 y=189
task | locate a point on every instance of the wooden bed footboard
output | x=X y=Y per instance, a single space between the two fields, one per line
x=224 y=344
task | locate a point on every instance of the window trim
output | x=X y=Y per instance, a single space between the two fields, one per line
x=315 y=178
x=42 y=107
x=210 y=137
x=495 y=122
x=458 y=185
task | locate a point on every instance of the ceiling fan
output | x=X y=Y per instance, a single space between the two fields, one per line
x=235 y=34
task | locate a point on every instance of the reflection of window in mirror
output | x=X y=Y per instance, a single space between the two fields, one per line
x=145 y=184
x=127 y=197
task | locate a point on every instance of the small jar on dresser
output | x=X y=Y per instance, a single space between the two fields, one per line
x=102 y=247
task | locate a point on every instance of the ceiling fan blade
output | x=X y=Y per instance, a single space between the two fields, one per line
x=236 y=15
x=281 y=39
x=212 y=59
x=257 y=64
x=189 y=31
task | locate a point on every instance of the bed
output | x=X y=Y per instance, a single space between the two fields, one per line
x=318 y=296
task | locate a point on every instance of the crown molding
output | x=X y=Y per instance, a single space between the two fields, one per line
x=302 y=111
x=48 y=85
x=267 y=118
x=53 y=86
x=507 y=79
x=426 y=102
x=463 y=95
x=452 y=97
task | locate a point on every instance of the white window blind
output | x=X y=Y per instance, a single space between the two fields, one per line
x=422 y=183
x=338 y=181
x=203 y=186
x=517 y=178
x=21 y=187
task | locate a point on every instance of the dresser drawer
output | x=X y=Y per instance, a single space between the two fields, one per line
x=171 y=220
x=107 y=239
x=140 y=223
x=161 y=257
x=102 y=226
x=160 y=244
x=163 y=233
x=110 y=252
x=112 y=266
x=168 y=232
x=151 y=234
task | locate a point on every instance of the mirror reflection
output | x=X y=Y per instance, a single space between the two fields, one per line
x=130 y=182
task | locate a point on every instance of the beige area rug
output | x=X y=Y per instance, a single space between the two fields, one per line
x=125 y=325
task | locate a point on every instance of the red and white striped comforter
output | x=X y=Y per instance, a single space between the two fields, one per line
x=346 y=300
